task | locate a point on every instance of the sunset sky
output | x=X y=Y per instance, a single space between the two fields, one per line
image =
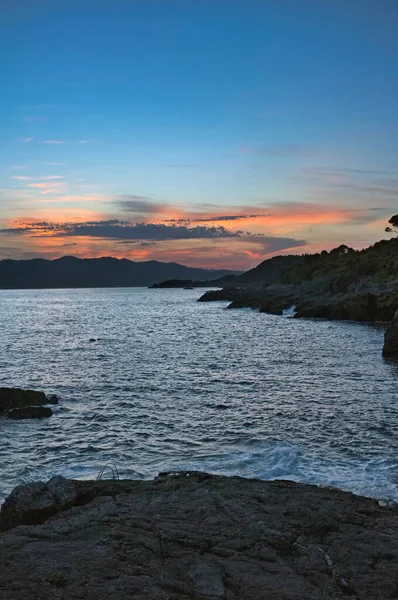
x=214 y=133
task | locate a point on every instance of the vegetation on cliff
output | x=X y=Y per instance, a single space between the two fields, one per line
x=344 y=283
x=379 y=262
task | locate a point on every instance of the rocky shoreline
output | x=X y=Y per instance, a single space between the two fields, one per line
x=361 y=305
x=194 y=536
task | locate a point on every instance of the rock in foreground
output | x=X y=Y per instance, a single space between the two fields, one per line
x=194 y=536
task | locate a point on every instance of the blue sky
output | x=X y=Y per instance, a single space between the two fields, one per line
x=281 y=112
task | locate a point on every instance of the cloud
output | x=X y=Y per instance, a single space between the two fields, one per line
x=182 y=166
x=48 y=188
x=54 y=177
x=138 y=205
x=27 y=139
x=54 y=142
x=144 y=231
x=21 y=177
x=82 y=142
x=281 y=150
x=147 y=234
x=56 y=164
x=215 y=218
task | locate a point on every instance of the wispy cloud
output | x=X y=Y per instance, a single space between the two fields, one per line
x=21 y=177
x=27 y=139
x=139 y=205
x=54 y=142
x=182 y=166
x=281 y=150
x=54 y=177
x=47 y=188
x=55 y=164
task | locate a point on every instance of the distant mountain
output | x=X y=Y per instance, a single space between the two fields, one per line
x=72 y=272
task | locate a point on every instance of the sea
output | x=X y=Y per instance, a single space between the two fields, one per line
x=172 y=384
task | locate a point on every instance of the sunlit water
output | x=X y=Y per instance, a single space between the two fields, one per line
x=171 y=383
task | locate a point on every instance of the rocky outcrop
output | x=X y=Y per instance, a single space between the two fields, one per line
x=194 y=536
x=16 y=403
x=355 y=305
x=33 y=503
x=390 y=347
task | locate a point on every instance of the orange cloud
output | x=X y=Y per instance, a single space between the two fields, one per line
x=47 y=188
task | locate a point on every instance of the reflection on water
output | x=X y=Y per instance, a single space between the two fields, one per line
x=172 y=383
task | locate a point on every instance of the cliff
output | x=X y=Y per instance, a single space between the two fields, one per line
x=340 y=284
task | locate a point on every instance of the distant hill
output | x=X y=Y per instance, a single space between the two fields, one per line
x=267 y=272
x=72 y=272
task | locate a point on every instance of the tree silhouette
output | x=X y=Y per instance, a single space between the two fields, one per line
x=394 y=222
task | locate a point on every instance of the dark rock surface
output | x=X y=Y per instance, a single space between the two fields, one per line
x=18 y=398
x=311 y=303
x=33 y=503
x=390 y=347
x=30 y=412
x=194 y=536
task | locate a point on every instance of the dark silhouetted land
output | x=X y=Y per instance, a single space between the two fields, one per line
x=71 y=272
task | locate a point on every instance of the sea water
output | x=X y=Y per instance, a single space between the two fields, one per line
x=170 y=383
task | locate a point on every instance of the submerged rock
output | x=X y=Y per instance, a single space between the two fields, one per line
x=30 y=412
x=195 y=536
x=390 y=347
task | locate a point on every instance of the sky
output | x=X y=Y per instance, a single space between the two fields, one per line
x=213 y=133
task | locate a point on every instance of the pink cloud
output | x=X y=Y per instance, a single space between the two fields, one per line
x=48 y=188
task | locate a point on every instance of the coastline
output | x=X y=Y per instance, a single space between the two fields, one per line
x=362 y=306
x=192 y=535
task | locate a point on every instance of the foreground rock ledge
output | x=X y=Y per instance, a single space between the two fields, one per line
x=193 y=536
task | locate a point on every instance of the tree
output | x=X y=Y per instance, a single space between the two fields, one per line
x=394 y=222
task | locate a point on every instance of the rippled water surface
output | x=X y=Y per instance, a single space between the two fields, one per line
x=171 y=383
